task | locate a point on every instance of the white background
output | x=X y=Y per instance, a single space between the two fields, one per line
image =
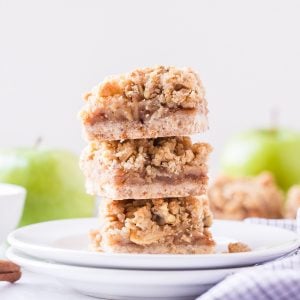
x=51 y=51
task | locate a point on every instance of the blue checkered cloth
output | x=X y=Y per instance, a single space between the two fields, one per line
x=279 y=279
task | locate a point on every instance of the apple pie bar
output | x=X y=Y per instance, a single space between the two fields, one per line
x=146 y=168
x=146 y=103
x=240 y=198
x=165 y=225
x=292 y=203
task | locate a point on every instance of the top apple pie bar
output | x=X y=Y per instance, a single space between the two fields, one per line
x=146 y=103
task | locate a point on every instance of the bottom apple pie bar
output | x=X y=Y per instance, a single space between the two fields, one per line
x=165 y=225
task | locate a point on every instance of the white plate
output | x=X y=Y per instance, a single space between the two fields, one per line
x=126 y=284
x=66 y=241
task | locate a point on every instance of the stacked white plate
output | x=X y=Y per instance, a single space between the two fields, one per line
x=60 y=249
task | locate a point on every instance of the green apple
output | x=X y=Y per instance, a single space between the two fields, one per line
x=274 y=150
x=54 y=183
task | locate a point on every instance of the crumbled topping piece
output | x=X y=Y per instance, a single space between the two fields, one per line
x=238 y=247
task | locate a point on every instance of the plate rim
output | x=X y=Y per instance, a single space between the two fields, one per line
x=163 y=280
x=20 y=244
x=12 y=251
x=85 y=258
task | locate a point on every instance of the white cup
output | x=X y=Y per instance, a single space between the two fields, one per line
x=12 y=198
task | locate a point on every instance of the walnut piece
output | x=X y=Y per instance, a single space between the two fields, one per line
x=9 y=271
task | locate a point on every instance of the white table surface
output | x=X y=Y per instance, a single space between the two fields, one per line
x=36 y=287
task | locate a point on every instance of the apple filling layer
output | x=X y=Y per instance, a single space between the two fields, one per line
x=171 y=225
x=146 y=168
x=147 y=102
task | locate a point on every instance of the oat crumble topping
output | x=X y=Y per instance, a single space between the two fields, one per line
x=149 y=221
x=135 y=96
x=170 y=154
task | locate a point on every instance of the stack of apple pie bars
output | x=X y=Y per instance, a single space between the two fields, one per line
x=150 y=176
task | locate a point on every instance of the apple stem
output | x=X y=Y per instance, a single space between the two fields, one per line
x=274 y=118
x=38 y=142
